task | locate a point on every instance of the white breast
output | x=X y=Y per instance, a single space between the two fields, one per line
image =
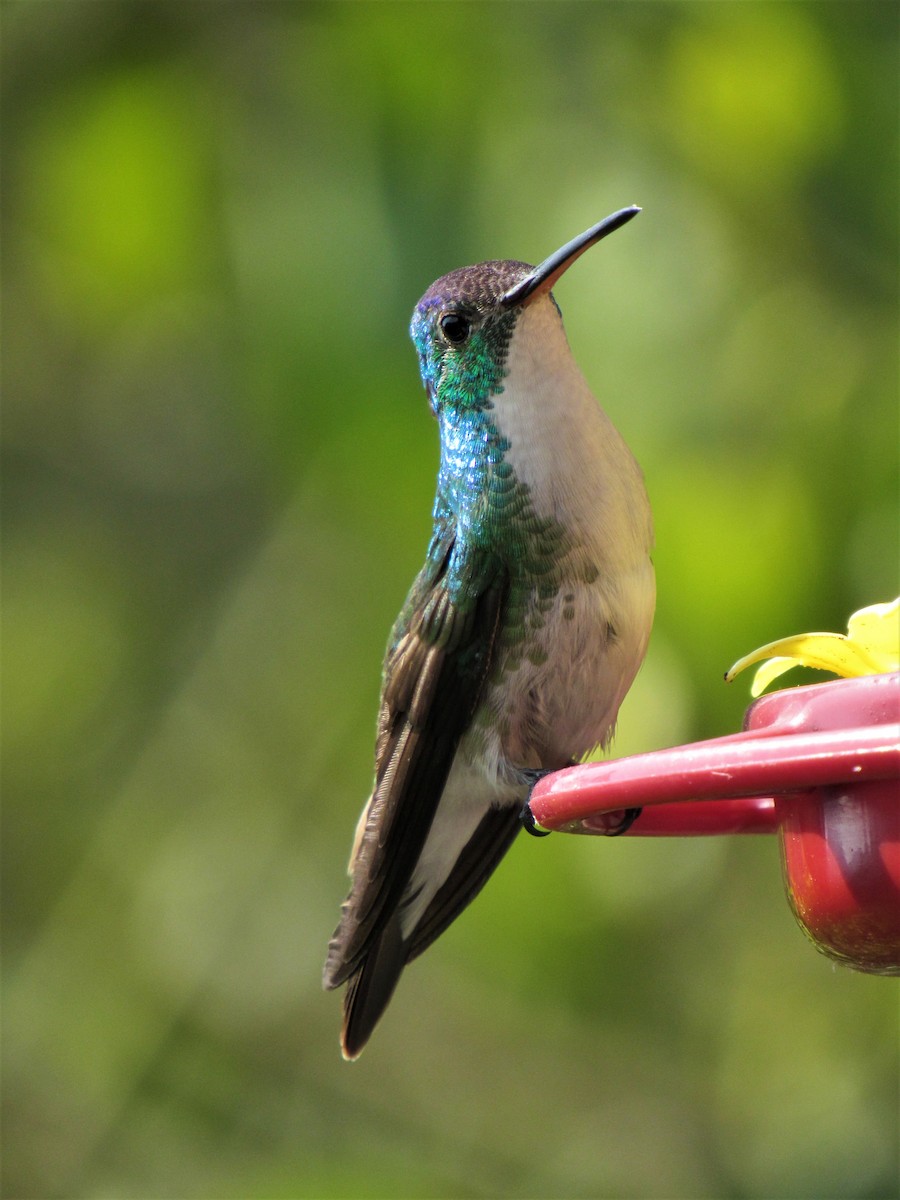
x=564 y=446
x=580 y=472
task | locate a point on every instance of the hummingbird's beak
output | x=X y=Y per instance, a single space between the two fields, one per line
x=542 y=278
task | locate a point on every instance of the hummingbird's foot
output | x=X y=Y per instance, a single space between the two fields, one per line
x=629 y=816
x=532 y=777
x=526 y=817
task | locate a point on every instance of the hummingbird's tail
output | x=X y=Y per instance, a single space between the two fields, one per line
x=370 y=988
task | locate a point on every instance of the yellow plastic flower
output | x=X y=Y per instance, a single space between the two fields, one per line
x=870 y=646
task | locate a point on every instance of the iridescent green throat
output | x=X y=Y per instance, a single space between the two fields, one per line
x=478 y=492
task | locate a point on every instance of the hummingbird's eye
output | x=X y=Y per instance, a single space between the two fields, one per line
x=455 y=327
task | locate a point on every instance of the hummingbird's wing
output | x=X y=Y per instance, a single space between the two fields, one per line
x=372 y=983
x=481 y=855
x=439 y=656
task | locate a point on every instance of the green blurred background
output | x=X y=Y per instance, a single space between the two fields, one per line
x=218 y=470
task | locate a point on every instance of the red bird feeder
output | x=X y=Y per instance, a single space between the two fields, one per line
x=819 y=766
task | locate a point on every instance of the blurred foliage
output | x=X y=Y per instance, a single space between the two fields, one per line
x=218 y=469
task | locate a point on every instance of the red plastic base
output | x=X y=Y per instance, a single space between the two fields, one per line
x=819 y=765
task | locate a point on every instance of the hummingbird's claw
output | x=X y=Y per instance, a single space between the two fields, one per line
x=526 y=816
x=532 y=777
x=629 y=816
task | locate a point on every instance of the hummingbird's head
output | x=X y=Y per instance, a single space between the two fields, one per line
x=463 y=325
x=461 y=330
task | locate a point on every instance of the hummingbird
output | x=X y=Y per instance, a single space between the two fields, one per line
x=519 y=637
